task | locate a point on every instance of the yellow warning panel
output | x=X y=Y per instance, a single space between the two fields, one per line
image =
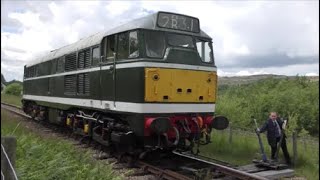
x=177 y=85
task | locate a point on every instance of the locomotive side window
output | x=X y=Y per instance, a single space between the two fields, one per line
x=53 y=66
x=60 y=65
x=133 y=45
x=110 y=47
x=155 y=43
x=180 y=40
x=26 y=72
x=29 y=72
x=44 y=68
x=95 y=56
x=34 y=71
x=205 y=50
x=123 y=46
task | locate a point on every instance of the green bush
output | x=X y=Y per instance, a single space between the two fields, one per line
x=297 y=99
x=13 y=89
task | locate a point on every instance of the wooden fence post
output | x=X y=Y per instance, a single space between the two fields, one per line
x=9 y=144
x=294 y=146
x=230 y=133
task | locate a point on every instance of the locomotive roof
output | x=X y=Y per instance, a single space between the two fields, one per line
x=147 y=22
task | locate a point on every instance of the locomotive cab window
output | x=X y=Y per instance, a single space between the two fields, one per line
x=180 y=40
x=123 y=46
x=133 y=45
x=111 y=41
x=155 y=43
x=128 y=46
x=205 y=50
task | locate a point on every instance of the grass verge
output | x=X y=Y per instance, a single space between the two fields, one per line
x=244 y=148
x=44 y=157
x=240 y=151
x=11 y=99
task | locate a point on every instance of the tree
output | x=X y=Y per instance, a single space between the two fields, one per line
x=13 y=89
x=3 y=82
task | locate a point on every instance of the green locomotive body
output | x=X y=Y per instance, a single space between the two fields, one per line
x=149 y=83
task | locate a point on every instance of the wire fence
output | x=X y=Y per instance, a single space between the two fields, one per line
x=305 y=141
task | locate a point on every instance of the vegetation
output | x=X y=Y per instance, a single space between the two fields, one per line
x=3 y=80
x=13 y=81
x=14 y=89
x=296 y=99
x=11 y=99
x=245 y=147
x=45 y=157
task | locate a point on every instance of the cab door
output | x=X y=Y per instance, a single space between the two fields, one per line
x=108 y=72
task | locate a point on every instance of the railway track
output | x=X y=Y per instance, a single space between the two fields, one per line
x=173 y=165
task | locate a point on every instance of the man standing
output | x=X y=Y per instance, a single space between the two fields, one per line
x=273 y=126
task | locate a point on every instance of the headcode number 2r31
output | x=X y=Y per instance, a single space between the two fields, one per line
x=176 y=22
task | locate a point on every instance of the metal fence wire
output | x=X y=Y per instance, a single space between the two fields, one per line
x=13 y=172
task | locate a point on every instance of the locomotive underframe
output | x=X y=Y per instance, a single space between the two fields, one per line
x=120 y=130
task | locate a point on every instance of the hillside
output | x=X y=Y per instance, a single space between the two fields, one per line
x=294 y=97
x=237 y=80
x=4 y=83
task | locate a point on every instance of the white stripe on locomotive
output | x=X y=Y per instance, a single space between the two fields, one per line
x=127 y=106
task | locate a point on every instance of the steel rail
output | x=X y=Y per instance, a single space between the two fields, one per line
x=11 y=105
x=162 y=173
x=16 y=112
x=226 y=170
x=169 y=174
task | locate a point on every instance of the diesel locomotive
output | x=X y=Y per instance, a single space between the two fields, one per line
x=147 y=84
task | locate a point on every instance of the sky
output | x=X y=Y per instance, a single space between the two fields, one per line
x=249 y=37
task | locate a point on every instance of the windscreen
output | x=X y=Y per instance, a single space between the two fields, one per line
x=180 y=40
x=155 y=43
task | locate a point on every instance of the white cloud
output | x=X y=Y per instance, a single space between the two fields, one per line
x=241 y=73
x=312 y=74
x=116 y=8
x=238 y=28
x=292 y=70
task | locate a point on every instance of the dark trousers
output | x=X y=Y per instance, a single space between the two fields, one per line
x=283 y=147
